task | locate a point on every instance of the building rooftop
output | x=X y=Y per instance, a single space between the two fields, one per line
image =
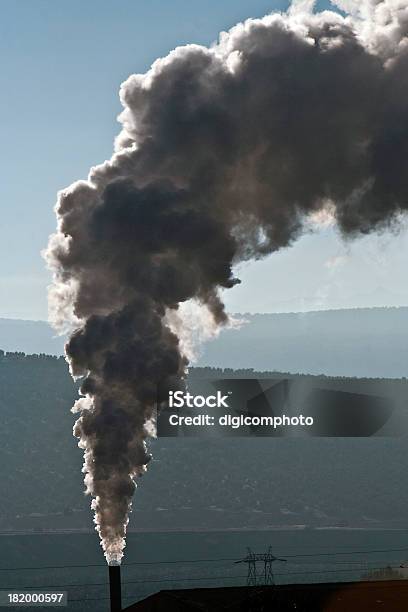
x=384 y=596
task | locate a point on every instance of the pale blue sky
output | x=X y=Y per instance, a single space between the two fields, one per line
x=61 y=65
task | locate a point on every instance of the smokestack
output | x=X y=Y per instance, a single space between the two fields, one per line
x=115 y=590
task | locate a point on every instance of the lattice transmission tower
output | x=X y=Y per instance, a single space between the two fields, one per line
x=260 y=569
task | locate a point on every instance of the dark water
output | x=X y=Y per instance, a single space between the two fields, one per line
x=157 y=561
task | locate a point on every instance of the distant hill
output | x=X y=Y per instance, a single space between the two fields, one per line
x=191 y=482
x=356 y=342
x=362 y=342
x=29 y=337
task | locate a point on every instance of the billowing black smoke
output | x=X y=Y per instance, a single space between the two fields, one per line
x=224 y=154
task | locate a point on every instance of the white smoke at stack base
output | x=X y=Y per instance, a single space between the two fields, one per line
x=225 y=155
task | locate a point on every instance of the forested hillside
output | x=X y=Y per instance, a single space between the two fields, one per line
x=198 y=483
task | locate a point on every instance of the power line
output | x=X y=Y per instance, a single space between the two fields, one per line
x=47 y=567
x=352 y=552
x=170 y=562
x=232 y=577
x=327 y=554
x=208 y=578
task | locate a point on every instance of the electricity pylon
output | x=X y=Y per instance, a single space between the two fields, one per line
x=260 y=575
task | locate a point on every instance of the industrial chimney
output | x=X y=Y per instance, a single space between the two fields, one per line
x=115 y=588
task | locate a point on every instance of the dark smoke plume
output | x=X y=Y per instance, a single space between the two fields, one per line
x=225 y=154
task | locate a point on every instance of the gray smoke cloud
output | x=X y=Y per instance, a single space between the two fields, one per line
x=224 y=155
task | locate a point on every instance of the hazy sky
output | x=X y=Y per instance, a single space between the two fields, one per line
x=62 y=64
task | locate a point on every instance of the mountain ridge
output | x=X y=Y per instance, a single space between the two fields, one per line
x=361 y=342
